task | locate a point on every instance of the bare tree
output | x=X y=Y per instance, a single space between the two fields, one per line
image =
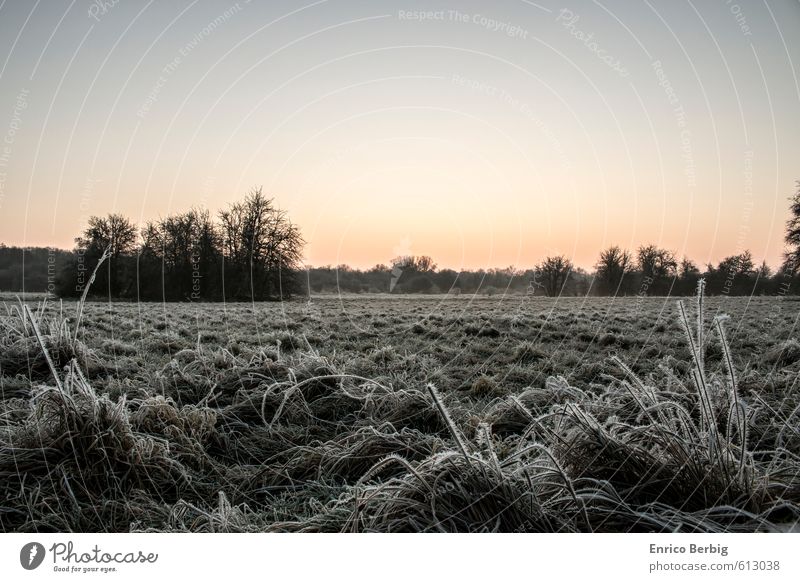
x=186 y=250
x=555 y=273
x=412 y=273
x=657 y=266
x=425 y=264
x=656 y=262
x=612 y=266
x=261 y=247
x=113 y=232
x=421 y=264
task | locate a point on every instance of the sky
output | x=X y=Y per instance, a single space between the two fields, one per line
x=484 y=134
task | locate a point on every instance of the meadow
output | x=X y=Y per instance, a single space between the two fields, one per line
x=401 y=413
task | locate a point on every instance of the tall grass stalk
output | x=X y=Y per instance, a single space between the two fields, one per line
x=457 y=436
x=43 y=347
x=106 y=254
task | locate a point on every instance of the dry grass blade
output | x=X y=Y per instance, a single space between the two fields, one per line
x=106 y=254
x=456 y=434
x=42 y=345
x=735 y=407
x=698 y=375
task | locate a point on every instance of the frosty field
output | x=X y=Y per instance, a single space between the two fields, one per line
x=412 y=413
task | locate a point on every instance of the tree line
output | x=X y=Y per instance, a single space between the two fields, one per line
x=252 y=251
x=31 y=268
x=649 y=270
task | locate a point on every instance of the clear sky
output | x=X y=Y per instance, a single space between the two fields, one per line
x=484 y=134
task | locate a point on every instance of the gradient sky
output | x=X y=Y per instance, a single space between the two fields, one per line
x=486 y=135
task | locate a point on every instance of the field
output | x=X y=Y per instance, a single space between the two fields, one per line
x=412 y=413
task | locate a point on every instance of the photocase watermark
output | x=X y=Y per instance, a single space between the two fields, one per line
x=20 y=105
x=789 y=268
x=80 y=259
x=401 y=250
x=744 y=227
x=170 y=68
x=569 y=20
x=685 y=135
x=66 y=558
x=195 y=260
x=491 y=24
x=665 y=84
x=311 y=309
x=521 y=107
x=196 y=276
x=444 y=487
x=739 y=16
x=31 y=555
x=85 y=200
x=51 y=270
x=99 y=8
x=518 y=317
x=93 y=558
x=647 y=280
x=81 y=267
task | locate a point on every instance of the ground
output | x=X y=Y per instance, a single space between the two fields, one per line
x=409 y=413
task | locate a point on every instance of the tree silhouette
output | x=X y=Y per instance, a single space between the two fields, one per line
x=657 y=266
x=421 y=264
x=183 y=252
x=412 y=273
x=688 y=275
x=114 y=232
x=555 y=273
x=791 y=263
x=262 y=249
x=612 y=266
x=737 y=265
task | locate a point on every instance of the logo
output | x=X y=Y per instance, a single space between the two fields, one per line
x=402 y=259
x=31 y=555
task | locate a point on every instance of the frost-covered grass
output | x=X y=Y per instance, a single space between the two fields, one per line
x=401 y=414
